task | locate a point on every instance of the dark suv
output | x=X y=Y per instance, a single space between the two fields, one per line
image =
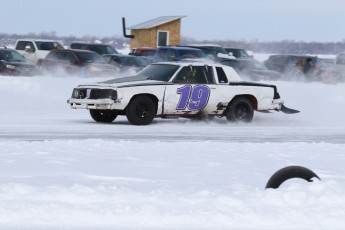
x=101 y=49
x=299 y=67
x=251 y=69
x=77 y=62
x=12 y=63
x=177 y=53
x=238 y=52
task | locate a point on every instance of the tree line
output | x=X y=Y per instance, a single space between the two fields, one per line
x=278 y=47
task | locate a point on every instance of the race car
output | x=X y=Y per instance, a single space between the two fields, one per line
x=177 y=89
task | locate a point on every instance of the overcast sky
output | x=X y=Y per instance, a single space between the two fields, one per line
x=264 y=20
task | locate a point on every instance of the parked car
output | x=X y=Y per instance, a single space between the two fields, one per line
x=99 y=48
x=77 y=62
x=12 y=63
x=165 y=90
x=36 y=50
x=251 y=69
x=211 y=50
x=238 y=52
x=339 y=68
x=126 y=62
x=177 y=53
x=143 y=51
x=300 y=67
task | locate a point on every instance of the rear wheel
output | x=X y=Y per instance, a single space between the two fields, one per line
x=141 y=110
x=103 y=115
x=240 y=109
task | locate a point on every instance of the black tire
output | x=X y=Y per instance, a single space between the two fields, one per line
x=240 y=109
x=106 y=116
x=290 y=172
x=141 y=110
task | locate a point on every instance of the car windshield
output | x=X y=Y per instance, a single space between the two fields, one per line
x=11 y=56
x=48 y=45
x=134 y=61
x=239 y=53
x=217 y=49
x=91 y=57
x=103 y=49
x=192 y=54
x=159 y=72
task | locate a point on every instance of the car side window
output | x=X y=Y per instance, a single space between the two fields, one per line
x=171 y=55
x=70 y=57
x=60 y=56
x=23 y=44
x=195 y=75
x=221 y=75
x=161 y=53
x=115 y=61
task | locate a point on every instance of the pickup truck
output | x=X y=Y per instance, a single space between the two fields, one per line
x=177 y=89
x=36 y=50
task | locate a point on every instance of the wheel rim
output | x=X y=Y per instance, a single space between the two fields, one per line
x=242 y=112
x=143 y=111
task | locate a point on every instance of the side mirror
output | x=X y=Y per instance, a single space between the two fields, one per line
x=231 y=54
x=28 y=49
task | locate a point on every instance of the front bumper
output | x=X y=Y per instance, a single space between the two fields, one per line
x=92 y=98
x=90 y=103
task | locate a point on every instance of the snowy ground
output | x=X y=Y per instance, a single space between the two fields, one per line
x=61 y=170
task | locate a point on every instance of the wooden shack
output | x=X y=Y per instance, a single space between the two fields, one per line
x=157 y=32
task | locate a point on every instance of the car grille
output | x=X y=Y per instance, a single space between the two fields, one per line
x=94 y=94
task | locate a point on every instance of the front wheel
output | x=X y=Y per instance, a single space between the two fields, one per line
x=240 y=109
x=106 y=116
x=141 y=110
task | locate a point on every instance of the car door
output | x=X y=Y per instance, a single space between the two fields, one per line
x=28 y=50
x=54 y=60
x=191 y=98
x=71 y=64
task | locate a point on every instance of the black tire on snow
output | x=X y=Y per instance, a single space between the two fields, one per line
x=103 y=115
x=141 y=110
x=240 y=109
x=290 y=172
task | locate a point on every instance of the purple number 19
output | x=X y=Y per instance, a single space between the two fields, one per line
x=194 y=97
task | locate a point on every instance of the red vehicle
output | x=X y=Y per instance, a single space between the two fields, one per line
x=143 y=51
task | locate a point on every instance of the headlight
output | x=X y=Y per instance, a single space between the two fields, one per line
x=79 y=93
x=8 y=66
x=94 y=69
x=103 y=93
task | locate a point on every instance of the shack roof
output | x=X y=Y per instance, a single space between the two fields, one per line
x=155 y=22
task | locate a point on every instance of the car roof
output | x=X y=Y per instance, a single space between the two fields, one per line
x=214 y=45
x=188 y=63
x=121 y=55
x=75 y=51
x=145 y=48
x=6 y=48
x=234 y=48
x=293 y=55
x=178 y=48
x=91 y=44
x=43 y=40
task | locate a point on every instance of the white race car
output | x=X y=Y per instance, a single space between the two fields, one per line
x=177 y=89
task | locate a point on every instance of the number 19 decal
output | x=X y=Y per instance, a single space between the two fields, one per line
x=193 y=98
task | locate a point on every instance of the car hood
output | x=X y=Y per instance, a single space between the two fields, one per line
x=266 y=72
x=26 y=65
x=126 y=82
